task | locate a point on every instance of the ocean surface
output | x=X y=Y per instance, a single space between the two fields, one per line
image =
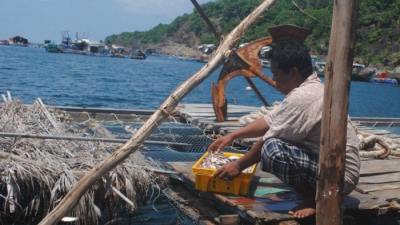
x=91 y=81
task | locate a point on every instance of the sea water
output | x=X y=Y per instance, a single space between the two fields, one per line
x=90 y=81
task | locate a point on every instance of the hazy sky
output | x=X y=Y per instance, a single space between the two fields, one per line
x=40 y=20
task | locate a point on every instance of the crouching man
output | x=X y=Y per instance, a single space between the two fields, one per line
x=291 y=132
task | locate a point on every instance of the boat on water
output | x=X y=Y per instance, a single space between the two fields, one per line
x=262 y=56
x=52 y=47
x=359 y=72
x=384 y=80
x=319 y=67
x=137 y=54
x=265 y=63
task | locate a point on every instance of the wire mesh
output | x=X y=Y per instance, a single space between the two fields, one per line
x=171 y=133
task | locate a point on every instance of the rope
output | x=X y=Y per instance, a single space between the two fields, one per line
x=374 y=146
x=244 y=120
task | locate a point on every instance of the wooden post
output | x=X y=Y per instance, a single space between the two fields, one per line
x=166 y=109
x=334 y=114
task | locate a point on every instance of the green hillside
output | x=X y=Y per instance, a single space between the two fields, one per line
x=378 y=27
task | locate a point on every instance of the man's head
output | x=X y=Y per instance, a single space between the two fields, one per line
x=290 y=65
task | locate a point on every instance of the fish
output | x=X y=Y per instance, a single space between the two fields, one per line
x=216 y=160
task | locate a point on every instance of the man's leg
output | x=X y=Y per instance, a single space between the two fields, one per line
x=307 y=207
x=295 y=166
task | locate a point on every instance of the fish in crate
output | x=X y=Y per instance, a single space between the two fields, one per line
x=207 y=165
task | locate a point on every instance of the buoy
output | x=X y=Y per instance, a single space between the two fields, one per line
x=248 y=89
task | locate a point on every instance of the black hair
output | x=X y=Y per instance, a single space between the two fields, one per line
x=291 y=54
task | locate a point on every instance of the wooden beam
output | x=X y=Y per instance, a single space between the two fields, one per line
x=335 y=112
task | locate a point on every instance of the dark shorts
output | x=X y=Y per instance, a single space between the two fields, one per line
x=290 y=163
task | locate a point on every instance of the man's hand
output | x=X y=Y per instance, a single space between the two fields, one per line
x=220 y=144
x=228 y=171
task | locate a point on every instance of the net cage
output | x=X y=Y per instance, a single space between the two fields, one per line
x=172 y=132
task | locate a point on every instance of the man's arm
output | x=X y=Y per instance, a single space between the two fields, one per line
x=232 y=169
x=255 y=129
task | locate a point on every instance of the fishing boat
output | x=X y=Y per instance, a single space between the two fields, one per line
x=265 y=63
x=319 y=68
x=362 y=73
x=262 y=55
x=137 y=54
x=359 y=72
x=52 y=47
x=384 y=80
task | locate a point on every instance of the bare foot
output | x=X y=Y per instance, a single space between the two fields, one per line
x=303 y=210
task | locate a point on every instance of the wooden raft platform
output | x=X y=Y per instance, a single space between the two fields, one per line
x=269 y=200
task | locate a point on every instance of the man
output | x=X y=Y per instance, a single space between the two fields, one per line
x=291 y=132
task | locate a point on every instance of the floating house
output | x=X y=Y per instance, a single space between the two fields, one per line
x=4 y=42
x=96 y=47
x=117 y=49
x=19 y=40
x=152 y=51
x=80 y=44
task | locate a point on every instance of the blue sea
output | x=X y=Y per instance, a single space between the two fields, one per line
x=62 y=79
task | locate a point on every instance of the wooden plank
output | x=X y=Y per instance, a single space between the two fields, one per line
x=205 y=114
x=106 y=110
x=231 y=119
x=366 y=188
x=268 y=216
x=359 y=201
x=191 y=205
x=377 y=132
x=362 y=128
x=374 y=167
x=379 y=179
x=393 y=136
x=220 y=124
x=232 y=106
x=269 y=196
x=387 y=195
x=229 y=219
x=211 y=110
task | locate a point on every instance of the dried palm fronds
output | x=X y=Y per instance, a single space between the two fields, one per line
x=37 y=173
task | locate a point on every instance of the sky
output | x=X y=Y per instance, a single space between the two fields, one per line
x=40 y=20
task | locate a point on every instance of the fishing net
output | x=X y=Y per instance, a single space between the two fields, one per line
x=196 y=139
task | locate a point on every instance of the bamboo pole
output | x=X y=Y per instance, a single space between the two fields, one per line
x=335 y=112
x=165 y=110
x=72 y=138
